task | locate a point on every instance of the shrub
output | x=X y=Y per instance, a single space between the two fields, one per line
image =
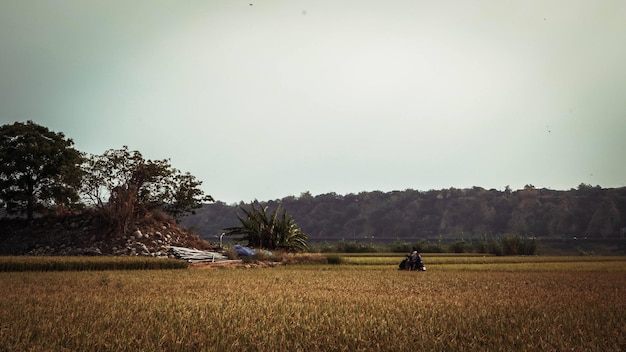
x=334 y=259
x=429 y=247
x=488 y=244
x=513 y=244
x=510 y=244
x=400 y=247
x=459 y=247
x=230 y=253
x=355 y=247
x=269 y=230
x=323 y=248
x=263 y=256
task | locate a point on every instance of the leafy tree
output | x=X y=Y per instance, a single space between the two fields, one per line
x=123 y=185
x=271 y=231
x=185 y=196
x=39 y=169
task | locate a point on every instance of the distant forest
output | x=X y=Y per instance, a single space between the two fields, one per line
x=588 y=211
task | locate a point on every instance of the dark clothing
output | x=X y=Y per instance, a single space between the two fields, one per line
x=415 y=260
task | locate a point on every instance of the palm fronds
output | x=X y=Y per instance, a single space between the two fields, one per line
x=272 y=231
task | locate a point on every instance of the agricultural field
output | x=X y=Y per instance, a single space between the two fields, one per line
x=461 y=303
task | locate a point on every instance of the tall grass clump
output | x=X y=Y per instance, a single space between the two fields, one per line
x=399 y=247
x=513 y=244
x=424 y=246
x=334 y=259
x=355 y=247
x=459 y=247
x=509 y=244
x=487 y=244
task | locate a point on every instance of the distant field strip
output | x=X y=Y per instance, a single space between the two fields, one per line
x=36 y=263
x=461 y=262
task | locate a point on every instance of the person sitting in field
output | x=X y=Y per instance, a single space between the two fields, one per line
x=415 y=260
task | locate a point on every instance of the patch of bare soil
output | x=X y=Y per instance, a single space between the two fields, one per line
x=234 y=264
x=283 y=259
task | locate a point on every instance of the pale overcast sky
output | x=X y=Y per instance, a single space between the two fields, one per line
x=263 y=99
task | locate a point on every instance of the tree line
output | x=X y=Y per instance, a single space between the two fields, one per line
x=586 y=211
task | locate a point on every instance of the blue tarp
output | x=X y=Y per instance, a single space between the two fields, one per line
x=243 y=251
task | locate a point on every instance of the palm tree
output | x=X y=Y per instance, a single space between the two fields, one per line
x=276 y=230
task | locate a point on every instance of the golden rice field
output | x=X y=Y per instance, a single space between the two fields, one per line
x=526 y=304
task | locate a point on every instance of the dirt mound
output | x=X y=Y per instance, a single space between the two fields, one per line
x=87 y=234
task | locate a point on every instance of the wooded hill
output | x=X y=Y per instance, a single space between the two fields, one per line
x=591 y=212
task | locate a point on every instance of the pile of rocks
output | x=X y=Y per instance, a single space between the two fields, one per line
x=155 y=244
x=86 y=235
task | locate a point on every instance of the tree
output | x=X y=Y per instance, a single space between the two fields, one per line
x=123 y=185
x=185 y=196
x=39 y=169
x=271 y=231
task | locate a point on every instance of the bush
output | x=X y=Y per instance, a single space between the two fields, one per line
x=355 y=247
x=429 y=247
x=323 y=248
x=510 y=244
x=267 y=256
x=334 y=259
x=488 y=245
x=400 y=247
x=513 y=244
x=230 y=253
x=459 y=247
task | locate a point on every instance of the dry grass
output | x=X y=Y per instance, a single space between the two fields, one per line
x=315 y=308
x=41 y=263
x=477 y=262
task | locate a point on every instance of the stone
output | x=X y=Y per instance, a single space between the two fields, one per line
x=141 y=248
x=92 y=251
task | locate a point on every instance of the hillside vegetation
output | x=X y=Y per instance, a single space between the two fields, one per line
x=586 y=212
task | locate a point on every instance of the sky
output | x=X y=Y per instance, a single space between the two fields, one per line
x=264 y=99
